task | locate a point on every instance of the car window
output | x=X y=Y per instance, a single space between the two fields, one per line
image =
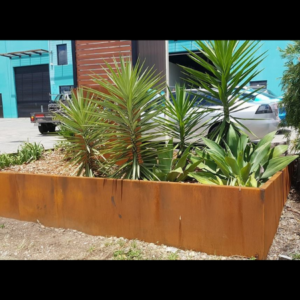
x=200 y=100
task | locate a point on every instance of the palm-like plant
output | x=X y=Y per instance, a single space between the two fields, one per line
x=229 y=66
x=78 y=127
x=130 y=103
x=183 y=118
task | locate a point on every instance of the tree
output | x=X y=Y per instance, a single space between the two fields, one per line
x=290 y=82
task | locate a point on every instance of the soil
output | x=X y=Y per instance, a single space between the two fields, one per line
x=33 y=241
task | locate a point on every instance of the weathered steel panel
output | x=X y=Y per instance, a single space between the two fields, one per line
x=217 y=220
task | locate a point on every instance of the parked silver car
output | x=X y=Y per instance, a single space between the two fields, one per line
x=263 y=114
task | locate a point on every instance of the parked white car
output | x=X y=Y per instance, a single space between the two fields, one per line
x=264 y=115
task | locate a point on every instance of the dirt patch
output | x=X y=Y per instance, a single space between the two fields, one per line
x=32 y=241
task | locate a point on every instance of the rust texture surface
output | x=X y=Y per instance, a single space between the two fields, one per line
x=218 y=220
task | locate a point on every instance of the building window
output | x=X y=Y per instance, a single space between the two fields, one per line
x=62 y=54
x=257 y=84
x=65 y=88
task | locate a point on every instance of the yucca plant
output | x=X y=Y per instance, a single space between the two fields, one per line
x=78 y=123
x=171 y=167
x=229 y=66
x=241 y=163
x=181 y=118
x=130 y=100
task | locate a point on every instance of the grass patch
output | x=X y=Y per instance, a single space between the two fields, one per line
x=132 y=254
x=173 y=256
x=26 y=153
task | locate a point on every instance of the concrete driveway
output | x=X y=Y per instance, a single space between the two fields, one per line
x=15 y=131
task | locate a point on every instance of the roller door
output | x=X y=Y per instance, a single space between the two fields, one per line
x=32 y=89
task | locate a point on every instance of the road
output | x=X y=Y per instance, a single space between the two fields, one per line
x=15 y=131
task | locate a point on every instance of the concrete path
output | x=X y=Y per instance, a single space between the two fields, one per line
x=15 y=131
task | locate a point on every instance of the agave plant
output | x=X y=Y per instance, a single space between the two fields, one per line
x=171 y=167
x=229 y=66
x=181 y=117
x=78 y=122
x=130 y=100
x=242 y=163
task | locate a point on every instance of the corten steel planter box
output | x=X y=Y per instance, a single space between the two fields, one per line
x=218 y=220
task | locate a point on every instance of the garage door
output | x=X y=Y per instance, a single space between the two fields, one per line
x=32 y=89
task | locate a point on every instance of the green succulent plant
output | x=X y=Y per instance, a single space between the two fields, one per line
x=170 y=167
x=241 y=163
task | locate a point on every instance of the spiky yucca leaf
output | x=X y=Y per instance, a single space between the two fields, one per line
x=79 y=121
x=182 y=117
x=229 y=66
x=128 y=96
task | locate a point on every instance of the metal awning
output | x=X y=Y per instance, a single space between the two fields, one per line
x=23 y=53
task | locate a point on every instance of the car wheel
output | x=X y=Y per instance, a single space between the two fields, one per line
x=51 y=127
x=43 y=128
x=212 y=129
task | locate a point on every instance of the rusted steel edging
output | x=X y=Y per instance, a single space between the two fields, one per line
x=220 y=220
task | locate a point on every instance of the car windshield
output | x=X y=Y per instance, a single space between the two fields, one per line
x=256 y=96
x=62 y=97
x=264 y=92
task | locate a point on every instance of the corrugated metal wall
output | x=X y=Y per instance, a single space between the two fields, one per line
x=92 y=54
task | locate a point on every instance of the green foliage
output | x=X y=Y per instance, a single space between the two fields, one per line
x=173 y=256
x=252 y=258
x=131 y=254
x=172 y=168
x=81 y=133
x=6 y=160
x=61 y=145
x=229 y=66
x=26 y=153
x=290 y=82
x=242 y=163
x=296 y=256
x=182 y=118
x=129 y=107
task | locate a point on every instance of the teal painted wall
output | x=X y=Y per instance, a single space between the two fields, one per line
x=60 y=75
x=272 y=65
x=7 y=80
